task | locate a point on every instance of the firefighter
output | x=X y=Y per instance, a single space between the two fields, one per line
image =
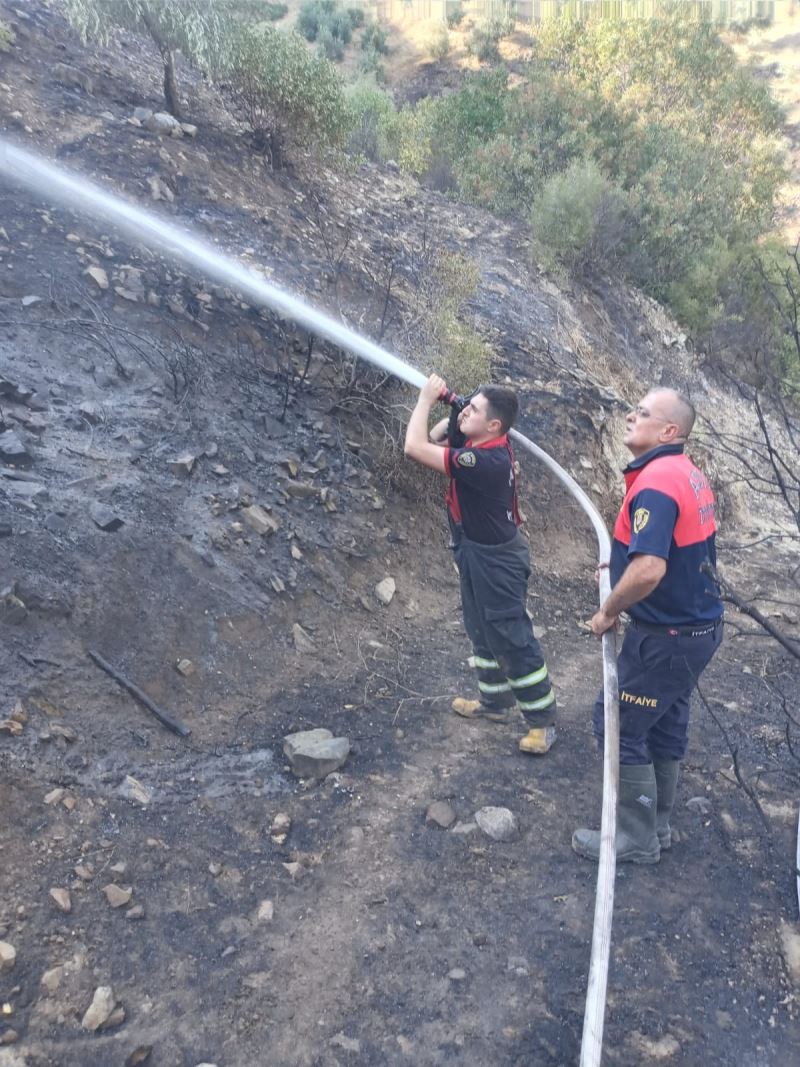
x=491 y=556
x=664 y=533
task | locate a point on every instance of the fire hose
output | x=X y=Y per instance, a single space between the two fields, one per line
x=25 y=169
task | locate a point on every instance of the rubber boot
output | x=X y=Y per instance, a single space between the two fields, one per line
x=637 y=841
x=666 y=787
x=475 y=709
x=537 y=742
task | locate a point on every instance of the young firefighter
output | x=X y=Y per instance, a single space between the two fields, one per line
x=491 y=556
x=664 y=533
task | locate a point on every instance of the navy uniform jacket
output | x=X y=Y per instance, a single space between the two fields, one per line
x=482 y=496
x=669 y=511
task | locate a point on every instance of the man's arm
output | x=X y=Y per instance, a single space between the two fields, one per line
x=640 y=578
x=417 y=445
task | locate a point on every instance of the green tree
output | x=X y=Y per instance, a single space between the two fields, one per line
x=286 y=93
x=194 y=27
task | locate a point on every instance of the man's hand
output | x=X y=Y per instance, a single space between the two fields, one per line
x=433 y=389
x=600 y=623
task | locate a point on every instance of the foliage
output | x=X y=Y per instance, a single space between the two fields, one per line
x=579 y=218
x=356 y=16
x=313 y=15
x=438 y=43
x=194 y=27
x=462 y=357
x=483 y=42
x=372 y=113
x=6 y=36
x=328 y=45
x=275 y=12
x=329 y=25
x=455 y=15
x=287 y=94
x=375 y=38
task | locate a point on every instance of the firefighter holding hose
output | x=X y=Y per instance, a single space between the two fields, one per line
x=472 y=450
x=664 y=534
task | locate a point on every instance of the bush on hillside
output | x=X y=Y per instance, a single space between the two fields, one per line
x=287 y=96
x=313 y=15
x=329 y=46
x=371 y=113
x=275 y=12
x=455 y=15
x=438 y=44
x=580 y=219
x=483 y=43
x=375 y=39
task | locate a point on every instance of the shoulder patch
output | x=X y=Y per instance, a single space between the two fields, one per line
x=466 y=459
x=640 y=519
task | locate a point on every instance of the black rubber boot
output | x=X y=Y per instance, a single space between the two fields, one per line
x=666 y=787
x=637 y=841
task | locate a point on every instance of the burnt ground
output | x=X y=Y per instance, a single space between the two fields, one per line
x=388 y=940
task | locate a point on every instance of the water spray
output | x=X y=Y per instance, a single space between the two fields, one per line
x=70 y=191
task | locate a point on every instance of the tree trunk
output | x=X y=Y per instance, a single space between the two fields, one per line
x=170 y=85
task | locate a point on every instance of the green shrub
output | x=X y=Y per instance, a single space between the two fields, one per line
x=455 y=15
x=374 y=38
x=328 y=45
x=275 y=12
x=371 y=114
x=6 y=37
x=286 y=95
x=483 y=43
x=438 y=43
x=313 y=15
x=580 y=219
x=356 y=16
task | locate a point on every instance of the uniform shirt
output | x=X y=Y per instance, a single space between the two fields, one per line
x=668 y=511
x=482 y=494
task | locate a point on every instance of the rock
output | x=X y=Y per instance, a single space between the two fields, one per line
x=260 y=520
x=67 y=75
x=126 y=294
x=99 y=1011
x=163 y=123
x=790 y=947
x=315 y=753
x=702 y=805
x=29 y=301
x=56 y=524
x=12 y=450
x=134 y=913
x=281 y=825
x=132 y=789
x=185 y=667
x=498 y=823
x=159 y=190
x=104 y=517
x=84 y=872
x=98 y=275
x=8 y=956
x=10 y=726
x=348 y=1044
x=12 y=610
x=140 y=1055
x=302 y=639
x=62 y=899
x=189 y=129
x=142 y=114
x=300 y=490
x=117 y=895
x=440 y=814
x=55 y=796
x=457 y=974
x=51 y=979
x=265 y=911
x=183 y=465
x=385 y=590
x=519 y=965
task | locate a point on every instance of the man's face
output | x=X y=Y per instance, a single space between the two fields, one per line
x=648 y=425
x=474 y=421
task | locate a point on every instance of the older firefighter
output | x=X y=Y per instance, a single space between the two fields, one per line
x=491 y=555
x=664 y=534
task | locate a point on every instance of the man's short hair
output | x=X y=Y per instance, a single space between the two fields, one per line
x=502 y=404
x=681 y=409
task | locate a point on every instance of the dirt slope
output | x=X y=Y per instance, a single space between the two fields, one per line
x=388 y=940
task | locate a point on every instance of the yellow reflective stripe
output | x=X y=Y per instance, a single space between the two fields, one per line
x=530 y=679
x=537 y=705
x=501 y=687
x=486 y=664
